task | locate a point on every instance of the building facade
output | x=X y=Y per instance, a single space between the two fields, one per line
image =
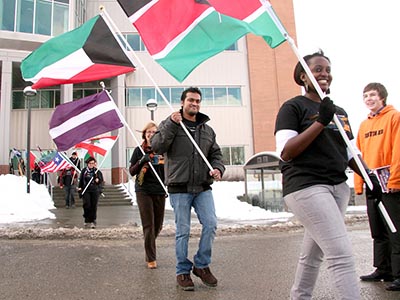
x=243 y=87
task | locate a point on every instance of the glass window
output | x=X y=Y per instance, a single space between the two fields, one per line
x=133 y=97
x=18 y=100
x=77 y=94
x=148 y=93
x=7 y=14
x=176 y=94
x=220 y=96
x=129 y=152
x=43 y=17
x=207 y=96
x=25 y=16
x=166 y=92
x=60 y=18
x=133 y=41
x=237 y=155
x=232 y=47
x=226 y=155
x=47 y=99
x=35 y=101
x=57 y=98
x=234 y=96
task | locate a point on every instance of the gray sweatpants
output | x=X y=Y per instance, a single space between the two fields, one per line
x=321 y=209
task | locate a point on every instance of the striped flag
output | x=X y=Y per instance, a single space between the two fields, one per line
x=74 y=122
x=87 y=53
x=56 y=164
x=181 y=34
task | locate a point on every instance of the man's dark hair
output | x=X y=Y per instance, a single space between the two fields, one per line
x=190 y=90
x=299 y=68
x=380 y=88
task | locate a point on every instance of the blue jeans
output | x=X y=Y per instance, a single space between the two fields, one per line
x=321 y=210
x=203 y=204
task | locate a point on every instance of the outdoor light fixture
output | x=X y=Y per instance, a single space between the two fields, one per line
x=151 y=105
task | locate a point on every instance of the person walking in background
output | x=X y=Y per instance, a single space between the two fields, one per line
x=89 y=189
x=150 y=194
x=314 y=158
x=67 y=183
x=189 y=184
x=75 y=160
x=21 y=167
x=379 y=141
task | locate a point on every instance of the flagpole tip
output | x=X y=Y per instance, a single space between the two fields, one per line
x=101 y=7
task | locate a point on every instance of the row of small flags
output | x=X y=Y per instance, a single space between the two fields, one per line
x=56 y=161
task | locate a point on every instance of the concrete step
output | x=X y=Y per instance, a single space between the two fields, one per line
x=113 y=195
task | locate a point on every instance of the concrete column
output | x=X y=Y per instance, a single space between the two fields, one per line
x=118 y=154
x=5 y=115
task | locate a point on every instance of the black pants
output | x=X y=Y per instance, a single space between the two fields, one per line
x=386 y=243
x=90 y=200
x=151 y=208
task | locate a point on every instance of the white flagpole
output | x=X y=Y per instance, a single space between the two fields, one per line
x=101 y=164
x=113 y=25
x=70 y=162
x=321 y=94
x=133 y=135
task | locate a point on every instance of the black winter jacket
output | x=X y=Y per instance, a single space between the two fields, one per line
x=185 y=170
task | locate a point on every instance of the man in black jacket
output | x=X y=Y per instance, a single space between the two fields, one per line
x=189 y=183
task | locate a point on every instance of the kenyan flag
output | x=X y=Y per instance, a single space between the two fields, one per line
x=181 y=34
x=87 y=53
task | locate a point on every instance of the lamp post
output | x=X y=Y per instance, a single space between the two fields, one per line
x=151 y=105
x=29 y=92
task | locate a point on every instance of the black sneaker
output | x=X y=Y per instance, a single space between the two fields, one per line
x=377 y=276
x=206 y=276
x=185 y=282
x=394 y=286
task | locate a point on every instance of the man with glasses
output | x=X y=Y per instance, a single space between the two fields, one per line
x=189 y=183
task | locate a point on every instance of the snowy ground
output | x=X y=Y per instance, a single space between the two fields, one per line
x=17 y=206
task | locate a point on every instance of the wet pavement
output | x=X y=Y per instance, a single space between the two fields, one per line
x=248 y=266
x=254 y=264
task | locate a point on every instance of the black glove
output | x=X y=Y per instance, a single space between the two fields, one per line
x=326 y=111
x=376 y=192
x=145 y=158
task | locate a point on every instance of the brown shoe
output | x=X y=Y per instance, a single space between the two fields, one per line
x=152 y=265
x=185 y=282
x=206 y=276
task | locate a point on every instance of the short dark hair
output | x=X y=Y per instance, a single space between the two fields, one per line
x=74 y=153
x=298 y=70
x=380 y=88
x=90 y=159
x=190 y=90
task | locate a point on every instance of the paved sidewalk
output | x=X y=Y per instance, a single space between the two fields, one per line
x=258 y=266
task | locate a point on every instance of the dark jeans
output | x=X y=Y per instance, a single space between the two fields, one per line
x=90 y=200
x=380 y=236
x=69 y=195
x=386 y=243
x=151 y=208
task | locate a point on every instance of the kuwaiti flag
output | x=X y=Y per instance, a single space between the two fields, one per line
x=56 y=164
x=181 y=34
x=100 y=145
x=87 y=53
x=74 y=122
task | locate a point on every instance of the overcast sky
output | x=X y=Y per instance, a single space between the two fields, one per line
x=361 y=39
